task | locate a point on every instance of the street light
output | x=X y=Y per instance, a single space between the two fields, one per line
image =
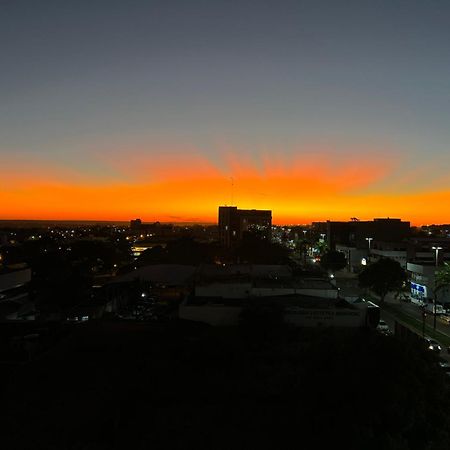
x=369 y=239
x=436 y=250
x=424 y=316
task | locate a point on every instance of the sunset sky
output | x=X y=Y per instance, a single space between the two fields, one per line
x=111 y=110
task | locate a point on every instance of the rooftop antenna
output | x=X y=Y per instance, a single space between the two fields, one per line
x=232 y=188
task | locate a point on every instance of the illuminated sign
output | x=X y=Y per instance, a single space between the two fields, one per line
x=418 y=289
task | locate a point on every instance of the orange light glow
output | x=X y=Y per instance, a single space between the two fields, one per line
x=188 y=189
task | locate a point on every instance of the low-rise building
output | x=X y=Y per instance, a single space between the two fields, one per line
x=297 y=310
x=14 y=282
x=423 y=284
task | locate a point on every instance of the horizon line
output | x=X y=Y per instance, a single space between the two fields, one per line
x=200 y=222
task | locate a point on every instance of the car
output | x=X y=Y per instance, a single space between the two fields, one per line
x=404 y=298
x=445 y=318
x=445 y=366
x=430 y=307
x=417 y=301
x=382 y=326
x=433 y=345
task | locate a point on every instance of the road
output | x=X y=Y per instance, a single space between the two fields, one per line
x=415 y=311
x=349 y=285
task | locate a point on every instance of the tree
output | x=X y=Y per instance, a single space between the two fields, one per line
x=442 y=277
x=256 y=250
x=383 y=276
x=321 y=247
x=333 y=260
x=442 y=281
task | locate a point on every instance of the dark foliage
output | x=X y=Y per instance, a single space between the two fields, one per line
x=255 y=249
x=333 y=260
x=114 y=386
x=383 y=276
x=185 y=250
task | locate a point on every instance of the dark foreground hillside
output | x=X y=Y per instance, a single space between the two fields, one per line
x=119 y=385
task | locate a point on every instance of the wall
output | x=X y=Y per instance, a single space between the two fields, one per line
x=212 y=314
x=325 y=317
x=224 y=290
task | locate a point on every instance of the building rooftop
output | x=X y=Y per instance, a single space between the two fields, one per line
x=297 y=300
x=168 y=274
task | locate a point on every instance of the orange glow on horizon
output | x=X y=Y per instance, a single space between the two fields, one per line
x=189 y=189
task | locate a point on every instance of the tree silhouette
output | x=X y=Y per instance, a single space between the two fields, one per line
x=442 y=277
x=333 y=260
x=383 y=276
x=256 y=250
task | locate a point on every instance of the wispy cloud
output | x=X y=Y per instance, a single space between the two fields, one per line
x=178 y=183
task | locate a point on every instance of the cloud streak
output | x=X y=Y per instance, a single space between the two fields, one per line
x=175 y=185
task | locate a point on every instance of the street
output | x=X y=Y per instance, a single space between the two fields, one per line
x=414 y=311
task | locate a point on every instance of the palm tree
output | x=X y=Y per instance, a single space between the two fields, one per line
x=442 y=277
x=441 y=281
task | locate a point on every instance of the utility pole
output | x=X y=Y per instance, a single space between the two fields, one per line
x=232 y=189
x=424 y=316
x=436 y=250
x=369 y=240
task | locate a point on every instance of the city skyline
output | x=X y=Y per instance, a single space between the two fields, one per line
x=314 y=110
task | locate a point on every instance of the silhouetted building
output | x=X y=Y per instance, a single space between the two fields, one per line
x=360 y=234
x=234 y=222
x=136 y=224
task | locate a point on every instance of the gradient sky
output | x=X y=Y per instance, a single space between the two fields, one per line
x=316 y=109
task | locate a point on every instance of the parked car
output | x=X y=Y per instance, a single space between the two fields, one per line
x=404 y=298
x=445 y=318
x=417 y=301
x=429 y=307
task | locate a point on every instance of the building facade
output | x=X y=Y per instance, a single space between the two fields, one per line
x=234 y=222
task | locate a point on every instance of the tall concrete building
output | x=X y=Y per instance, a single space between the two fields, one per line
x=234 y=222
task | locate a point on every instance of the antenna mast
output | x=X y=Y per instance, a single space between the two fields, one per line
x=232 y=188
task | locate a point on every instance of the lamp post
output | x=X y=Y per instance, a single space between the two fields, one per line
x=369 y=240
x=424 y=316
x=436 y=253
x=436 y=250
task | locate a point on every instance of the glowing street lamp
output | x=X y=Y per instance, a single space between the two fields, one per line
x=436 y=251
x=369 y=239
